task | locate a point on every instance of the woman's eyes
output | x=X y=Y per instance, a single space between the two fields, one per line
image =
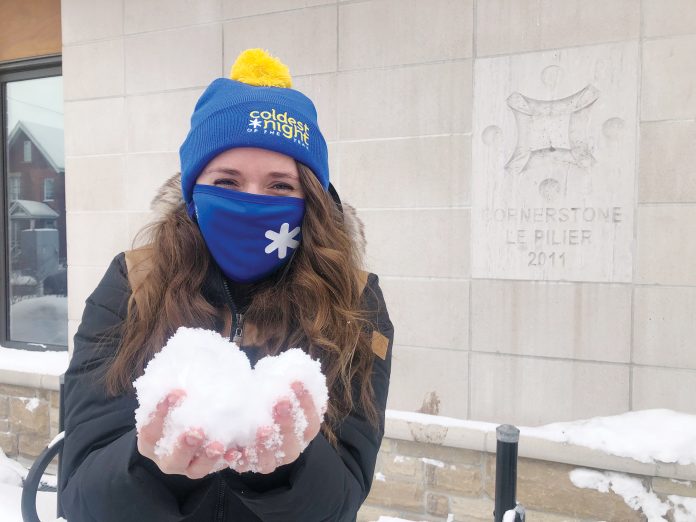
x=282 y=186
x=225 y=181
x=231 y=183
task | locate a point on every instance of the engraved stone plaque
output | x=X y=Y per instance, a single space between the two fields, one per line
x=554 y=159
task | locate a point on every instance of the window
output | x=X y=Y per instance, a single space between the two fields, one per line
x=33 y=276
x=48 y=189
x=14 y=190
x=27 y=151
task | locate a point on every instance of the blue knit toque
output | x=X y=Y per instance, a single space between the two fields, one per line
x=232 y=113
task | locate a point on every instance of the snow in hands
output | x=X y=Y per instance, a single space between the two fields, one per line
x=223 y=396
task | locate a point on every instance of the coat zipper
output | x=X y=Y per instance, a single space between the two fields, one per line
x=236 y=336
x=237 y=318
x=220 y=510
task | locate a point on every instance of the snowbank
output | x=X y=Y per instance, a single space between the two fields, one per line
x=11 y=475
x=636 y=495
x=46 y=363
x=647 y=436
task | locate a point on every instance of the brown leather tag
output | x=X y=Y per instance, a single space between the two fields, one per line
x=380 y=345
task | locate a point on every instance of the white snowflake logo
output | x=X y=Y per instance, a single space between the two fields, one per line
x=282 y=240
x=255 y=123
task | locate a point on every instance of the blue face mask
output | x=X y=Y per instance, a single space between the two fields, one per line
x=250 y=236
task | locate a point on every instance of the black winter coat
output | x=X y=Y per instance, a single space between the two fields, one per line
x=105 y=478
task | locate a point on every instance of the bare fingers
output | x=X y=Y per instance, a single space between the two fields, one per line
x=185 y=450
x=152 y=431
x=268 y=441
x=207 y=460
x=310 y=412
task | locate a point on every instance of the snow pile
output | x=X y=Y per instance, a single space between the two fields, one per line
x=509 y=515
x=225 y=397
x=684 y=508
x=47 y=363
x=646 y=436
x=636 y=495
x=11 y=472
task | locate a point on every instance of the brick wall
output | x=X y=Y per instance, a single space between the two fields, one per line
x=428 y=482
x=28 y=420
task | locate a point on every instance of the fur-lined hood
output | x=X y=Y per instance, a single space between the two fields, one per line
x=169 y=198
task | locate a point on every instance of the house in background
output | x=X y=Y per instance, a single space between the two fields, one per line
x=36 y=199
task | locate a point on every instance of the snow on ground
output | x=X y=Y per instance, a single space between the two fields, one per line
x=40 y=320
x=646 y=436
x=636 y=495
x=10 y=506
x=11 y=475
x=47 y=363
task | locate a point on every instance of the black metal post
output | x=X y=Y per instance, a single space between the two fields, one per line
x=505 y=470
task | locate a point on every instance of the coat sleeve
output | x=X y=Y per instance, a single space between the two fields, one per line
x=103 y=476
x=328 y=483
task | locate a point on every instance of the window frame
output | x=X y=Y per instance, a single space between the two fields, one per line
x=25 y=69
x=52 y=183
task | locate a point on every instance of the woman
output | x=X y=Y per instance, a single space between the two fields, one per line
x=258 y=250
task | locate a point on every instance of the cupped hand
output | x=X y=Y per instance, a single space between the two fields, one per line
x=192 y=456
x=297 y=422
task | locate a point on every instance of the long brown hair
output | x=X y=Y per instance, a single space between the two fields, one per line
x=314 y=304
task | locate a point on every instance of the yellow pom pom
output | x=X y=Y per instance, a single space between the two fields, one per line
x=257 y=67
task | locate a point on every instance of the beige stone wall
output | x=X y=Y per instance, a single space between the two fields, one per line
x=428 y=482
x=394 y=81
x=28 y=420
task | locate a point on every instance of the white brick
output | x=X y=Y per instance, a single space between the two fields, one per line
x=667 y=159
x=323 y=91
x=91 y=19
x=573 y=321
x=173 y=59
x=428 y=313
x=374 y=34
x=666 y=245
x=99 y=237
x=412 y=172
x=442 y=372
x=418 y=243
x=159 y=122
x=305 y=40
x=95 y=127
x=95 y=183
x=513 y=26
x=664 y=388
x=530 y=391
x=240 y=8
x=145 y=173
x=664 y=327
x=669 y=79
x=668 y=17
x=152 y=15
x=93 y=70
x=406 y=101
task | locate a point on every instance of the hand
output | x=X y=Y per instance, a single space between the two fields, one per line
x=296 y=423
x=191 y=456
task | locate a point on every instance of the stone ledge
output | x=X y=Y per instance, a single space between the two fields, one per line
x=32 y=380
x=481 y=437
